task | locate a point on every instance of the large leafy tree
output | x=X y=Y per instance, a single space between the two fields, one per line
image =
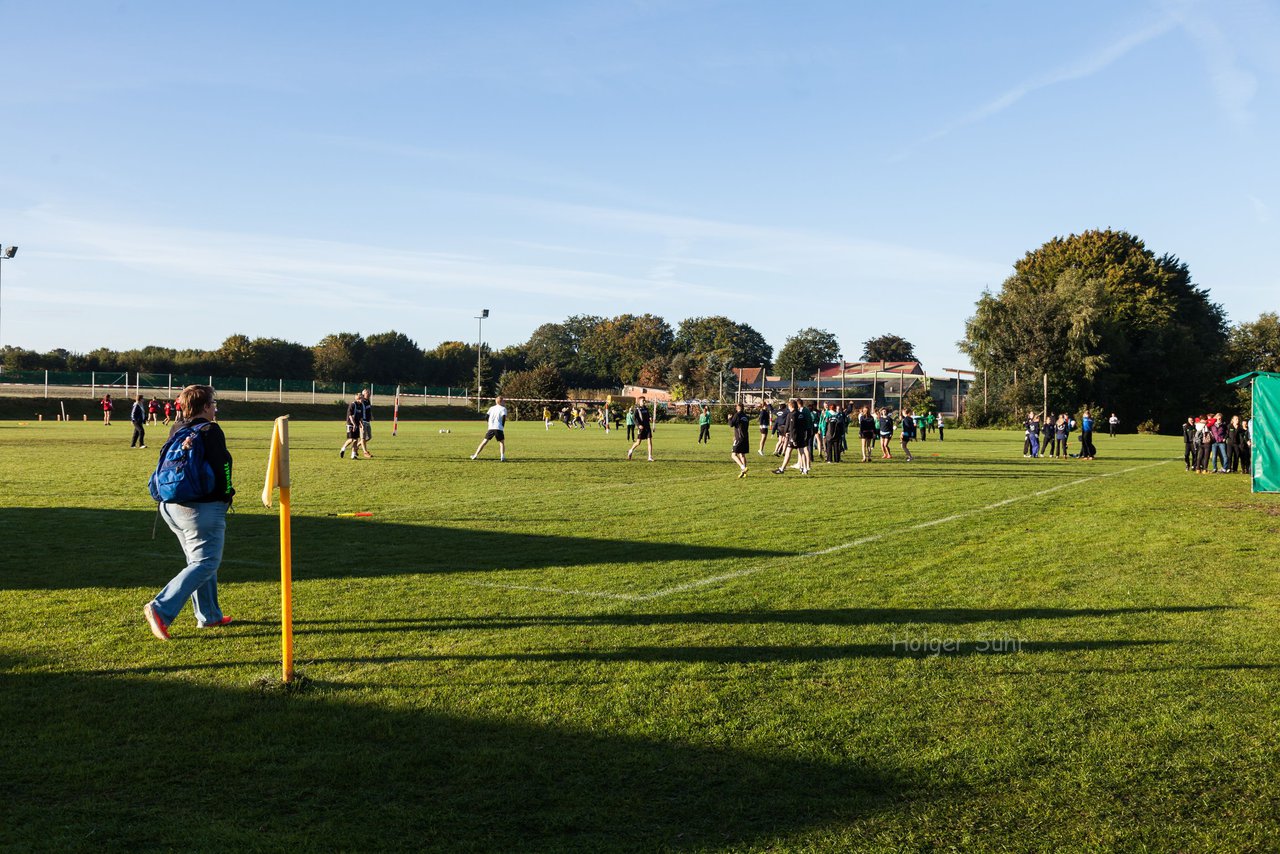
x=339 y=356
x=526 y=391
x=236 y=355
x=889 y=348
x=805 y=352
x=450 y=363
x=737 y=344
x=551 y=344
x=1109 y=322
x=619 y=347
x=392 y=357
x=1255 y=346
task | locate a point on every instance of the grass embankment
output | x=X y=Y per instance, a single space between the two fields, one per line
x=537 y=655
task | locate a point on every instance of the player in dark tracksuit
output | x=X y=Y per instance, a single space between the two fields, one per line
x=1189 y=442
x=138 y=417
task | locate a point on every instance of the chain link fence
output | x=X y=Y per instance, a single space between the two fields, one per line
x=94 y=384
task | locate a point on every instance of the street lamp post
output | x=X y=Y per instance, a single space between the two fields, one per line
x=6 y=254
x=479 y=353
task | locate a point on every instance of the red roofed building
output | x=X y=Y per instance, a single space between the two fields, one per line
x=857 y=369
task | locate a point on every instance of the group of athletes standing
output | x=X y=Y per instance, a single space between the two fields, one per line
x=806 y=431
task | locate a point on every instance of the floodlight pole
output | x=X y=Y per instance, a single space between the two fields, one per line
x=6 y=254
x=479 y=353
x=842 y=380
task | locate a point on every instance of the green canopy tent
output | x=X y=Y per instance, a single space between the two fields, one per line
x=1264 y=424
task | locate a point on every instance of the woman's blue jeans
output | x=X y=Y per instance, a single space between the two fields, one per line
x=201 y=529
x=1219 y=453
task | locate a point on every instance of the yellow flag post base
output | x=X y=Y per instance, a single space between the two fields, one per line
x=272 y=684
x=278 y=477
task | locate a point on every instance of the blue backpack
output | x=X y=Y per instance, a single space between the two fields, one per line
x=182 y=474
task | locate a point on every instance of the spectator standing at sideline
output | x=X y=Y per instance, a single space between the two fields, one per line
x=1087 y=449
x=1218 y=432
x=1112 y=423
x=138 y=417
x=107 y=406
x=1189 y=442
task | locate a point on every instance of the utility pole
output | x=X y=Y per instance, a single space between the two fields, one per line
x=479 y=354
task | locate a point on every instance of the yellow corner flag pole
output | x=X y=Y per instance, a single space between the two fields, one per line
x=278 y=476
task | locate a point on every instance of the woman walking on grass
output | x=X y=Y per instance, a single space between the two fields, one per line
x=199 y=524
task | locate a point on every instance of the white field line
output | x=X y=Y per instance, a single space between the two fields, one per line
x=627 y=597
x=763 y=565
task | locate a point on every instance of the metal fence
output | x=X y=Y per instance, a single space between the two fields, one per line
x=91 y=384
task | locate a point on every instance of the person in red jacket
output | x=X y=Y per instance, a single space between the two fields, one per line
x=107 y=406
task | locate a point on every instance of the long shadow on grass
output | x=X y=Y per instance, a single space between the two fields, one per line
x=906 y=647
x=804 y=616
x=68 y=548
x=135 y=764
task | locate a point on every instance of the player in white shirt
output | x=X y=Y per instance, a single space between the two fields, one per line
x=497 y=420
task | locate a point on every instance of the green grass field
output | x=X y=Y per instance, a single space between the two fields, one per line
x=973 y=651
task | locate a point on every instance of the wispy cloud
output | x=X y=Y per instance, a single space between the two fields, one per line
x=1234 y=86
x=785 y=254
x=1084 y=67
x=268 y=269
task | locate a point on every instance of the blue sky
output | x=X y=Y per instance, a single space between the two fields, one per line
x=177 y=173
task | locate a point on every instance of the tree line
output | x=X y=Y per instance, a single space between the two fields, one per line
x=583 y=351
